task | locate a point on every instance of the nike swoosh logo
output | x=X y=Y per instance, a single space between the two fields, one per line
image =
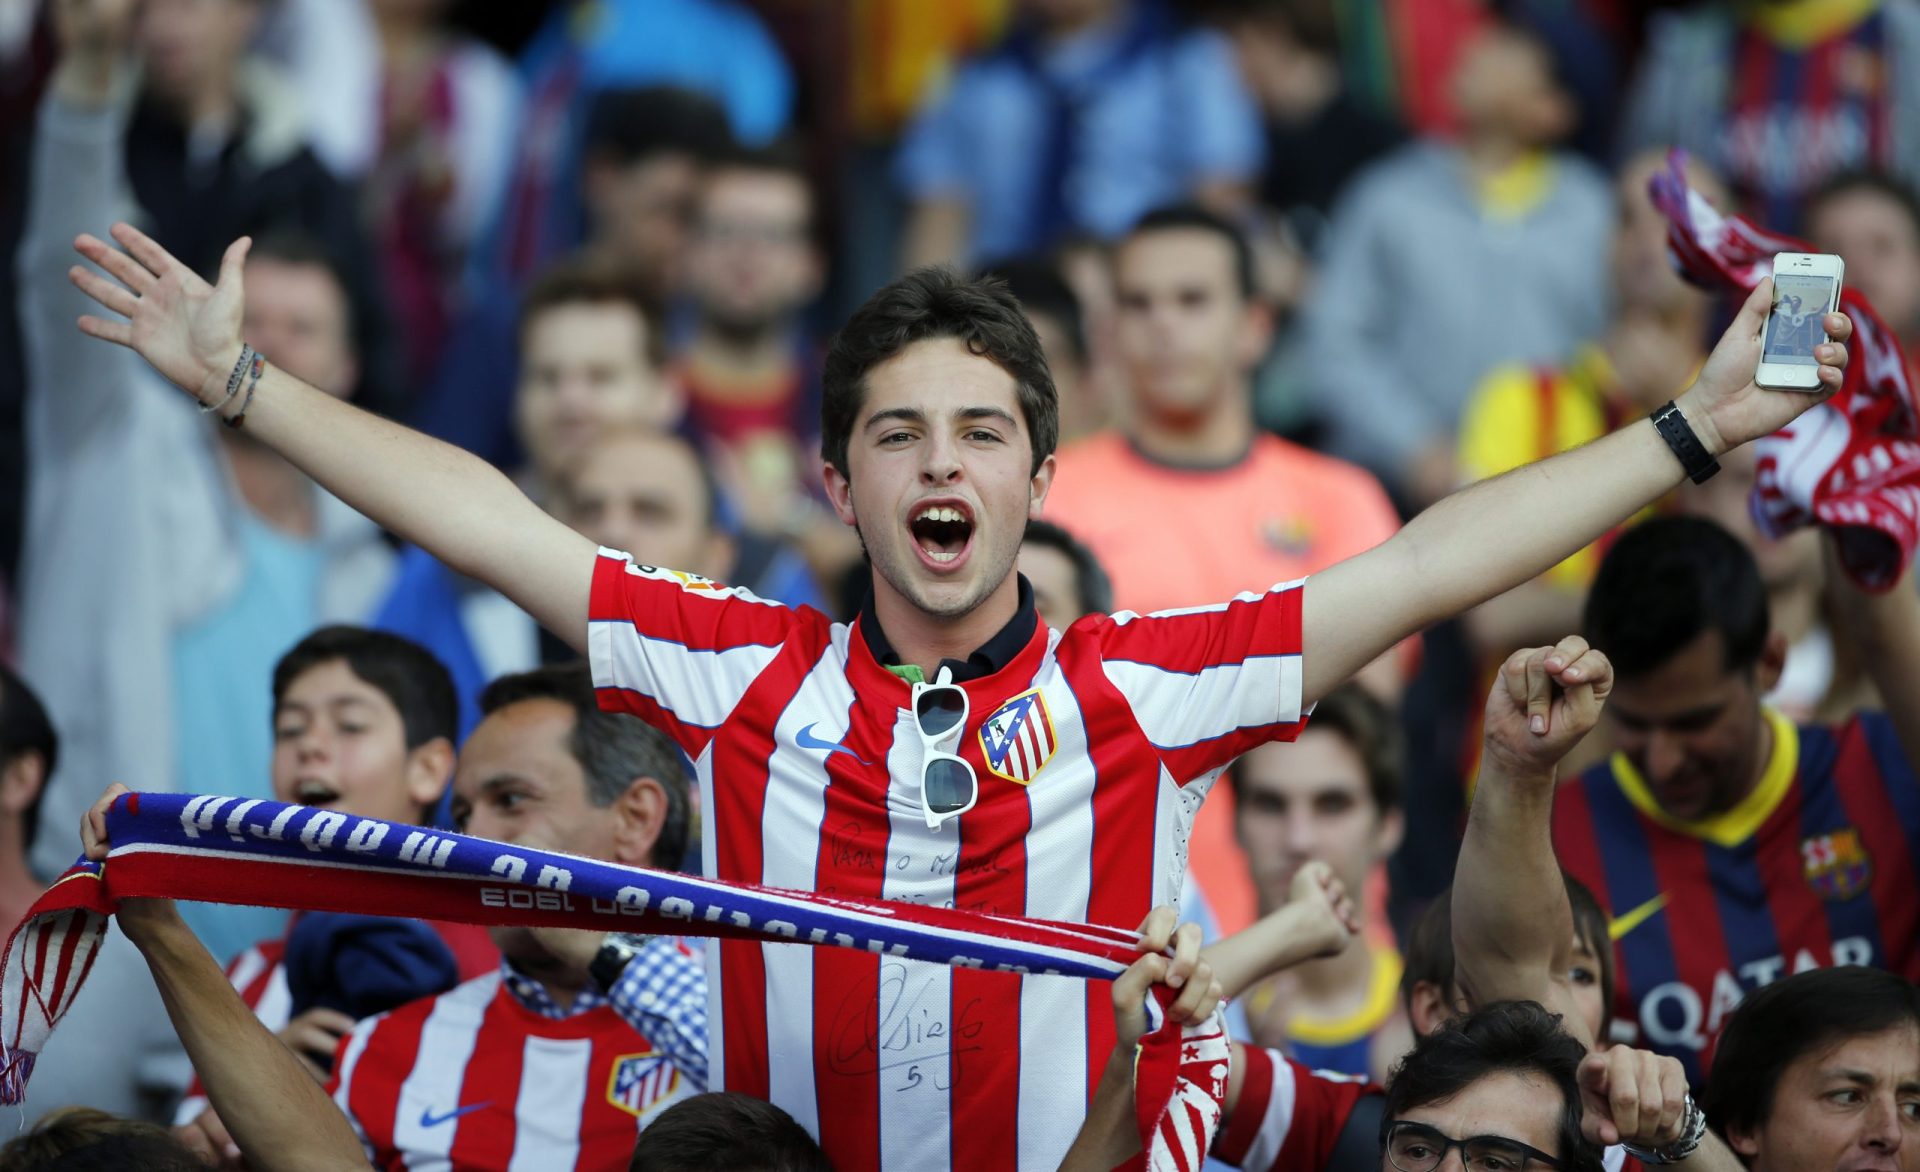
x=806 y=740
x=1620 y=925
x=429 y=1119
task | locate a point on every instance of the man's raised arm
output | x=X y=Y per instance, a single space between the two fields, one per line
x=452 y=504
x=1512 y=924
x=1489 y=538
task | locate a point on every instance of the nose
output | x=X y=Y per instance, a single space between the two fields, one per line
x=311 y=746
x=1880 y=1129
x=1665 y=756
x=1302 y=835
x=940 y=460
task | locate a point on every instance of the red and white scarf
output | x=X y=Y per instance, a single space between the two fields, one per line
x=230 y=850
x=1851 y=464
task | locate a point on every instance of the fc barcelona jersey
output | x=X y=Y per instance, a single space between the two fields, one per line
x=1813 y=868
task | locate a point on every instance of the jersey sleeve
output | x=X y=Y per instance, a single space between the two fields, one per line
x=675 y=649
x=1288 y=1118
x=1208 y=683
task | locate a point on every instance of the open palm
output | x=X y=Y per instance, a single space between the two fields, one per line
x=189 y=330
x=1741 y=410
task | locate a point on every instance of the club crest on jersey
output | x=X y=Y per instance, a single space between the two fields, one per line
x=1017 y=738
x=1837 y=865
x=641 y=1080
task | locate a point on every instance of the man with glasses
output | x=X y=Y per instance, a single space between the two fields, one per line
x=1065 y=791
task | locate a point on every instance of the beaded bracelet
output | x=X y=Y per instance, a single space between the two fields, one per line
x=259 y=367
x=247 y=355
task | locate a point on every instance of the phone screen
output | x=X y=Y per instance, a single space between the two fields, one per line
x=1799 y=303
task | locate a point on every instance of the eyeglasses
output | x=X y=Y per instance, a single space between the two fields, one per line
x=948 y=786
x=1415 y=1147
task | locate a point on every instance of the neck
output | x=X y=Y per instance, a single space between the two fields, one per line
x=924 y=640
x=741 y=351
x=1489 y=152
x=1215 y=436
x=1760 y=763
x=212 y=103
x=274 y=489
x=1345 y=977
x=1676 y=334
x=18 y=885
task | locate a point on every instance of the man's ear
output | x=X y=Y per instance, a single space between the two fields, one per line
x=1042 y=482
x=1256 y=334
x=1427 y=1008
x=839 y=493
x=639 y=815
x=1744 y=1143
x=1773 y=661
x=1392 y=829
x=429 y=770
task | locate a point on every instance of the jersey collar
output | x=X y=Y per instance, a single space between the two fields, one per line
x=988 y=658
x=1732 y=827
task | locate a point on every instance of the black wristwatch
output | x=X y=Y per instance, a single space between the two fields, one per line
x=615 y=954
x=1687 y=448
x=1693 y=1128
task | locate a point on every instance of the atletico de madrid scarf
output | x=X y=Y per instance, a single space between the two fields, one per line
x=1851 y=464
x=230 y=850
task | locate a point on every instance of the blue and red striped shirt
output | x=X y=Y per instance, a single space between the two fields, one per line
x=1814 y=868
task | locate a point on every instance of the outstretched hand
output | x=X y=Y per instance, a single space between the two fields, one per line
x=1725 y=406
x=189 y=330
x=1544 y=701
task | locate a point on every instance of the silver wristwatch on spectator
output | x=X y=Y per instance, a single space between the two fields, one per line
x=612 y=960
x=1693 y=1128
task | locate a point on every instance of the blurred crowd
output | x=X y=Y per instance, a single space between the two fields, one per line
x=1300 y=269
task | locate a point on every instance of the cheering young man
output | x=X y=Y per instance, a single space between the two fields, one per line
x=946 y=747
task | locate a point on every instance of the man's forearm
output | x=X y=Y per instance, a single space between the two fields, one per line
x=449 y=502
x=1107 y=1139
x=1268 y=945
x=280 y=1117
x=1481 y=541
x=1511 y=917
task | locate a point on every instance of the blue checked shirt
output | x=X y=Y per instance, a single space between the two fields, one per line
x=662 y=993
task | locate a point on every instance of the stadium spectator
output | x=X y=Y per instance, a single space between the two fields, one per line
x=363 y=722
x=1050 y=303
x=29 y=752
x=1088 y=114
x=1758 y=847
x=1873 y=221
x=747 y=365
x=585 y=53
x=1189 y=501
x=449 y=117
x=1068 y=581
x=640 y=172
x=1519 y=413
x=545 y=768
x=86 y=1139
x=1780 y=97
x=1333 y=797
x=1820 y=1072
x=1497 y=243
x=939 y=453
x=240 y=554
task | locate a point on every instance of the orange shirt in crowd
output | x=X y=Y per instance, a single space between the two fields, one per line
x=1172 y=537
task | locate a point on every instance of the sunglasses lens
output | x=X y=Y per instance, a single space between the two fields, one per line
x=939 y=709
x=949 y=786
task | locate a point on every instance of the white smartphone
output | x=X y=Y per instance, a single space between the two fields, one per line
x=1806 y=287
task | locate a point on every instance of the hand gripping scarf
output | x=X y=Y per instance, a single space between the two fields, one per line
x=1852 y=463
x=230 y=850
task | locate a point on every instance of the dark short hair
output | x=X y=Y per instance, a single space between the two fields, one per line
x=24 y=729
x=1501 y=1037
x=627 y=126
x=1095 y=589
x=929 y=303
x=1037 y=284
x=87 y=1139
x=1311 y=24
x=1666 y=582
x=1873 y=182
x=724 y=1131
x=1188 y=217
x=1780 y=1023
x=596 y=282
x=613 y=748
x=412 y=678
x=1358 y=717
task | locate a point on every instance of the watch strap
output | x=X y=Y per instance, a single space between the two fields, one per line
x=1687 y=448
x=611 y=961
x=1693 y=1128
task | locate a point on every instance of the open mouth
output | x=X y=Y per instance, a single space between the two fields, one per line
x=942 y=532
x=315 y=793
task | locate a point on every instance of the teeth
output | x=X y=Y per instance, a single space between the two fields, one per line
x=314 y=791
x=942 y=557
x=941 y=513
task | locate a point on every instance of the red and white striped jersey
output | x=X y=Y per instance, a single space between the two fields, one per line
x=1093 y=748
x=1287 y=1118
x=473 y=1079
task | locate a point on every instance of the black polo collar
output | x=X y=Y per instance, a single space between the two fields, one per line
x=986 y=659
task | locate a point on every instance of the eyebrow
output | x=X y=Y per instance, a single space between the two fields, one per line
x=915 y=415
